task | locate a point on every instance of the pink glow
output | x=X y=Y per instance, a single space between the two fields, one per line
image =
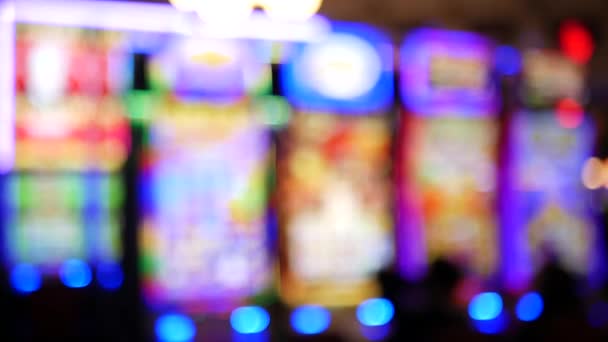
x=7 y=76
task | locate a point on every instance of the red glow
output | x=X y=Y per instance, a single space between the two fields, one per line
x=569 y=113
x=576 y=42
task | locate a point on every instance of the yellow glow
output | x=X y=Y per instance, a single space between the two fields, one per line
x=291 y=9
x=594 y=174
x=184 y=5
x=219 y=11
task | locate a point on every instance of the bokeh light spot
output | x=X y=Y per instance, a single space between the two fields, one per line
x=249 y=320
x=110 y=276
x=175 y=328
x=569 y=113
x=375 y=312
x=576 y=41
x=485 y=306
x=310 y=320
x=75 y=273
x=508 y=60
x=25 y=278
x=529 y=307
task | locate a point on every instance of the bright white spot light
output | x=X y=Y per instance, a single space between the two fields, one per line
x=296 y=10
x=342 y=67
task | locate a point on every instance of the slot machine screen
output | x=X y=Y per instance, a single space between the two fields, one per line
x=550 y=214
x=64 y=194
x=203 y=239
x=448 y=153
x=334 y=169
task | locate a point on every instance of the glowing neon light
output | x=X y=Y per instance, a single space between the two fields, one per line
x=350 y=70
x=127 y=16
x=110 y=276
x=7 y=77
x=529 y=307
x=297 y=10
x=174 y=328
x=249 y=320
x=310 y=320
x=485 y=306
x=25 y=278
x=426 y=46
x=233 y=10
x=375 y=312
x=75 y=274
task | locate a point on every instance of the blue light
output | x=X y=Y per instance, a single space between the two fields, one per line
x=302 y=91
x=375 y=312
x=529 y=307
x=174 y=328
x=249 y=320
x=110 y=276
x=25 y=278
x=598 y=314
x=485 y=306
x=310 y=320
x=75 y=273
x=508 y=60
x=491 y=326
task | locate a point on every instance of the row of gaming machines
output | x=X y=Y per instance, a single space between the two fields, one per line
x=292 y=168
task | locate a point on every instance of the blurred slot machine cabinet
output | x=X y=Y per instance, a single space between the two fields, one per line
x=203 y=240
x=447 y=154
x=62 y=200
x=334 y=191
x=549 y=215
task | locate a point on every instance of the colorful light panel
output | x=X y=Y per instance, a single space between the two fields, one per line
x=447 y=73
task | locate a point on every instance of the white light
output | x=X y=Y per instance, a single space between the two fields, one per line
x=223 y=11
x=7 y=79
x=184 y=5
x=296 y=10
x=48 y=69
x=121 y=16
x=342 y=67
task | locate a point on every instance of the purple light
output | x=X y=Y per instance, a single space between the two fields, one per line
x=7 y=76
x=422 y=98
x=508 y=60
x=163 y=18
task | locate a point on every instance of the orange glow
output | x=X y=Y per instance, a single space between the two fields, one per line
x=569 y=113
x=594 y=174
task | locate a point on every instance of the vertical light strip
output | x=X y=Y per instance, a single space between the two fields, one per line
x=7 y=85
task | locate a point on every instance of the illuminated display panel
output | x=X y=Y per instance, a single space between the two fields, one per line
x=551 y=138
x=54 y=218
x=334 y=169
x=548 y=77
x=350 y=71
x=549 y=214
x=67 y=115
x=447 y=73
x=62 y=201
x=446 y=170
x=335 y=195
x=204 y=245
x=203 y=241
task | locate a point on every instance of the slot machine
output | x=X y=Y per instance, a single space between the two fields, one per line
x=448 y=154
x=550 y=216
x=62 y=193
x=204 y=247
x=334 y=192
